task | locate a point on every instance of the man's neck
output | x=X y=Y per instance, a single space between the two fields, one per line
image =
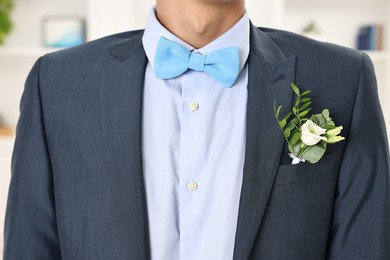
x=199 y=22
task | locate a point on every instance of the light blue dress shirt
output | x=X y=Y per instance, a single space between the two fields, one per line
x=193 y=152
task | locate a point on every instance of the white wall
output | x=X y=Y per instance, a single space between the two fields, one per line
x=13 y=72
x=105 y=18
x=6 y=144
x=338 y=21
x=265 y=13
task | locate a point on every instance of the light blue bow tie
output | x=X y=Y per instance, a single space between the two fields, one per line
x=172 y=60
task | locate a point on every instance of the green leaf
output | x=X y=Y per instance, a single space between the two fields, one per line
x=318 y=119
x=295 y=139
x=304 y=113
x=335 y=139
x=306 y=93
x=287 y=132
x=326 y=113
x=304 y=106
x=329 y=125
x=295 y=89
x=292 y=124
x=278 y=111
x=294 y=109
x=328 y=120
x=290 y=149
x=314 y=153
x=282 y=123
x=335 y=131
x=303 y=100
x=287 y=116
x=296 y=148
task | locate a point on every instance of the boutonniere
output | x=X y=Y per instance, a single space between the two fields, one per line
x=307 y=137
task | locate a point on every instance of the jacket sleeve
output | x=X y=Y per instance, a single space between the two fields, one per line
x=30 y=230
x=360 y=227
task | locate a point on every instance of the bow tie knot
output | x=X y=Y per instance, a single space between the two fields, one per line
x=197 y=61
x=172 y=60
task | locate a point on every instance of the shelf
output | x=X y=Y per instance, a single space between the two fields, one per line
x=26 y=51
x=4 y=132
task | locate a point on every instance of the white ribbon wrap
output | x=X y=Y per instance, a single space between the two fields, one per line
x=296 y=160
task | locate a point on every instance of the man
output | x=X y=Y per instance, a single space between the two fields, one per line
x=118 y=156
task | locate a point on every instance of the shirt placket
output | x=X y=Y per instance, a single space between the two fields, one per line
x=191 y=164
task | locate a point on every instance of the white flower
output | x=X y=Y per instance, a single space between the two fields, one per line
x=311 y=133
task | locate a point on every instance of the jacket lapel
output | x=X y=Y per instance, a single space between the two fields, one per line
x=122 y=79
x=270 y=76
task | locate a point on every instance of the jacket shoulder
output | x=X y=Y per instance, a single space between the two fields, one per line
x=318 y=61
x=301 y=46
x=88 y=52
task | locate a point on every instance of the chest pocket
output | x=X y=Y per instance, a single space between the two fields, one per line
x=295 y=173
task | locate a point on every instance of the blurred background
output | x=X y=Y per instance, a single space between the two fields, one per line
x=31 y=28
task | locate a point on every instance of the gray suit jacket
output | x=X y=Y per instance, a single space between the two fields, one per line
x=77 y=188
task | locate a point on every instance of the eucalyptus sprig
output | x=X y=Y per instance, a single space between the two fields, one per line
x=307 y=138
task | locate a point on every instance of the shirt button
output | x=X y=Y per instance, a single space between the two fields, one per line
x=192 y=186
x=194 y=106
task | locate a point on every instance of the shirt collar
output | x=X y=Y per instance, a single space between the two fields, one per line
x=237 y=36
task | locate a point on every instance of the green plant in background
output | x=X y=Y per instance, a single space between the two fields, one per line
x=5 y=19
